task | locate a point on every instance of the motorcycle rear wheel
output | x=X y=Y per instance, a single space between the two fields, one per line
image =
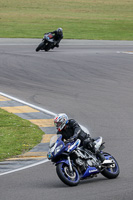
x=63 y=172
x=41 y=46
x=110 y=172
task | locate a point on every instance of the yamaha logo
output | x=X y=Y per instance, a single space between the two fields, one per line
x=94 y=170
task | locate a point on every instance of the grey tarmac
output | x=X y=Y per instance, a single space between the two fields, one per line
x=91 y=81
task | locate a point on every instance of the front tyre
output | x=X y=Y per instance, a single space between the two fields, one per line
x=63 y=172
x=111 y=171
x=41 y=46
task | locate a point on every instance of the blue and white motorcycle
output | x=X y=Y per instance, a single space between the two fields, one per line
x=74 y=163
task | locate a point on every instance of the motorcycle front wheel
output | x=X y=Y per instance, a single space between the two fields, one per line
x=41 y=46
x=111 y=171
x=63 y=172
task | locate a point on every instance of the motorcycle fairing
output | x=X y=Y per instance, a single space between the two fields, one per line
x=89 y=171
x=74 y=146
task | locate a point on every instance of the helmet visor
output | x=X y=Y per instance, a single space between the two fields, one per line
x=59 y=31
x=57 y=124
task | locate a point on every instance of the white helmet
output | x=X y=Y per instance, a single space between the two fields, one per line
x=60 y=121
x=60 y=31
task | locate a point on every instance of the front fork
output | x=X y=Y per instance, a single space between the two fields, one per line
x=70 y=164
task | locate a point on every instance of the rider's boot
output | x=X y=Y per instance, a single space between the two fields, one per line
x=100 y=156
x=89 y=143
x=57 y=45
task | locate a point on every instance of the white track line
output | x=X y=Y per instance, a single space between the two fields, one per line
x=26 y=167
x=33 y=106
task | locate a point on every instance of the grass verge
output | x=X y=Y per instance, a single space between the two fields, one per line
x=17 y=135
x=80 y=19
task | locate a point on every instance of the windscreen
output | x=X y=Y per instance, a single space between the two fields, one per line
x=54 y=139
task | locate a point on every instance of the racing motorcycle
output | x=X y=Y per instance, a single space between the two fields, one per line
x=47 y=43
x=74 y=163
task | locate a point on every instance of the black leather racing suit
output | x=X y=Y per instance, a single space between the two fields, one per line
x=57 y=37
x=73 y=131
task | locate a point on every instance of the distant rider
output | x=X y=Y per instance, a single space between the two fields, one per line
x=58 y=36
x=71 y=130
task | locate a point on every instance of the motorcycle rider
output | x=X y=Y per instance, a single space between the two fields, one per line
x=58 y=36
x=71 y=130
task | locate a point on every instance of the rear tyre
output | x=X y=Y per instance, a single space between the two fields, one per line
x=111 y=172
x=41 y=46
x=63 y=172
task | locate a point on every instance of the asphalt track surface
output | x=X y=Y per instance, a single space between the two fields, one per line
x=91 y=81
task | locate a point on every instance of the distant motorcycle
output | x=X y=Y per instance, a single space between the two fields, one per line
x=47 y=43
x=74 y=163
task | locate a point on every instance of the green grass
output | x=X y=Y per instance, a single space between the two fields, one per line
x=17 y=135
x=80 y=19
